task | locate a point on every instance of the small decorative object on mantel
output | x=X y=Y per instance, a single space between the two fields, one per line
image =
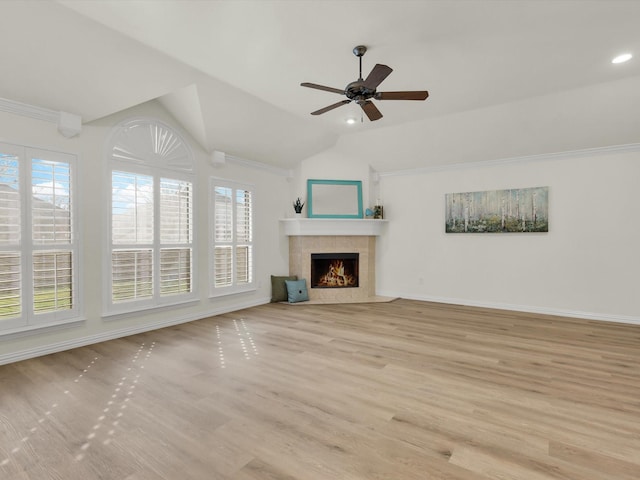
x=297 y=206
x=378 y=212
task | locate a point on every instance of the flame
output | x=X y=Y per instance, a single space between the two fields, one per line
x=336 y=276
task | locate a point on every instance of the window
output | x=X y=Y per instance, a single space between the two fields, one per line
x=132 y=217
x=176 y=222
x=231 y=237
x=151 y=212
x=38 y=246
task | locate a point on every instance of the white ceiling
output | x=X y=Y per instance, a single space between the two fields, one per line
x=230 y=71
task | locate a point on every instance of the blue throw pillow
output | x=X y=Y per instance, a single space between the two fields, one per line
x=297 y=291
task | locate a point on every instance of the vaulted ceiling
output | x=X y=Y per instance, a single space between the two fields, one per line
x=230 y=71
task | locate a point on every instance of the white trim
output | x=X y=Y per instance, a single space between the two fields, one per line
x=31 y=111
x=69 y=124
x=332 y=226
x=233 y=290
x=152 y=164
x=123 y=332
x=38 y=329
x=632 y=147
x=116 y=314
x=519 y=308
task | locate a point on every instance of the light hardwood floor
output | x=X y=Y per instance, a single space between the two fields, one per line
x=400 y=390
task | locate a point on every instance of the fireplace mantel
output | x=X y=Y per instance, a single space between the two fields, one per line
x=332 y=226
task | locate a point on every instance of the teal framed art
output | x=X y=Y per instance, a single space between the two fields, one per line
x=334 y=198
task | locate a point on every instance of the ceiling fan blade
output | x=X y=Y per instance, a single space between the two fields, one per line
x=322 y=87
x=371 y=110
x=417 y=95
x=330 y=107
x=377 y=75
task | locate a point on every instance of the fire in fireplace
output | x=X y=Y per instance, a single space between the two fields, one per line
x=334 y=270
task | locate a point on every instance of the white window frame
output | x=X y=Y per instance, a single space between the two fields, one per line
x=27 y=247
x=158 y=167
x=234 y=288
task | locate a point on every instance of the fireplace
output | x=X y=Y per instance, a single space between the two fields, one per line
x=301 y=247
x=335 y=270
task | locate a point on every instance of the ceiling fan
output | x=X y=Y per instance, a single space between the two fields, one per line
x=362 y=91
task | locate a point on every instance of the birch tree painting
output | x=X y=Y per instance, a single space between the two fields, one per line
x=496 y=211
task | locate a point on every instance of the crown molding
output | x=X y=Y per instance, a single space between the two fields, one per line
x=68 y=124
x=632 y=147
x=31 y=111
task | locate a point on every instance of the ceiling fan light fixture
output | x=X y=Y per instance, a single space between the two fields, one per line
x=624 y=57
x=350 y=120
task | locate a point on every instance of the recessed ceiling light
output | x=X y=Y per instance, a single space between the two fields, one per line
x=622 y=58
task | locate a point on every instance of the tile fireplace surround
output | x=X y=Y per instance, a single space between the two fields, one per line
x=307 y=236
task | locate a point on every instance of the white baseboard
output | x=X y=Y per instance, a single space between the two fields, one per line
x=519 y=308
x=123 y=332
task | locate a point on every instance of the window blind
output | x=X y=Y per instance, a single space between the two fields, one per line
x=176 y=229
x=244 y=228
x=131 y=208
x=132 y=274
x=10 y=256
x=10 y=285
x=37 y=271
x=176 y=211
x=175 y=271
x=232 y=237
x=223 y=266
x=52 y=281
x=10 y=210
x=51 y=202
x=243 y=264
x=223 y=215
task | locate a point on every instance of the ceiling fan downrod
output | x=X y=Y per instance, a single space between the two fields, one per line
x=359 y=52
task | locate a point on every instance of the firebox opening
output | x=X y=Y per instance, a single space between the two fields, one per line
x=334 y=270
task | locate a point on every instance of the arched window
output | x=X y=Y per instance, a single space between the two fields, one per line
x=151 y=212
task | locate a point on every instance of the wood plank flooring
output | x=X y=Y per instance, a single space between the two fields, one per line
x=401 y=390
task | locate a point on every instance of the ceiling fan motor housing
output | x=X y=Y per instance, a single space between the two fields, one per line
x=358 y=92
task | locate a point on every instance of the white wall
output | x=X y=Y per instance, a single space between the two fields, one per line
x=586 y=266
x=271 y=247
